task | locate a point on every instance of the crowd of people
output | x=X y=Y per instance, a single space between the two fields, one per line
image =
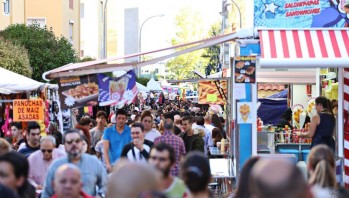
x=162 y=153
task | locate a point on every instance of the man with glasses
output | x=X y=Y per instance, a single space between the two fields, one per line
x=33 y=140
x=162 y=157
x=40 y=160
x=92 y=170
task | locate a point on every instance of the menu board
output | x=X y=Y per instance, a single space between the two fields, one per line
x=245 y=69
x=78 y=91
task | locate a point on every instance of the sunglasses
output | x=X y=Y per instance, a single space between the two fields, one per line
x=46 y=150
x=71 y=141
x=161 y=159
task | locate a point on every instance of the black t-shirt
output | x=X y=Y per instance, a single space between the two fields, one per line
x=6 y=192
x=133 y=154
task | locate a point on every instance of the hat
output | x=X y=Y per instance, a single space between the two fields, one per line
x=113 y=119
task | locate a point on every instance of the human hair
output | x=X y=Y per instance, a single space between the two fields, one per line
x=196 y=172
x=274 y=178
x=33 y=125
x=243 y=189
x=216 y=121
x=138 y=124
x=145 y=114
x=5 y=145
x=120 y=112
x=49 y=138
x=18 y=125
x=287 y=115
x=346 y=5
x=84 y=121
x=325 y=103
x=20 y=167
x=216 y=135
x=176 y=130
x=101 y=113
x=187 y=118
x=321 y=161
x=200 y=121
x=70 y=131
x=166 y=147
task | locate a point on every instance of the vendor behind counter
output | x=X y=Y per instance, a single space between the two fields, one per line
x=286 y=119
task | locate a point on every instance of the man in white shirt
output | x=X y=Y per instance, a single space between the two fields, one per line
x=209 y=127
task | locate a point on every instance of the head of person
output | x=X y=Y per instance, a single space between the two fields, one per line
x=138 y=118
x=216 y=121
x=121 y=118
x=335 y=107
x=243 y=189
x=271 y=178
x=5 y=146
x=33 y=136
x=14 y=169
x=131 y=179
x=59 y=138
x=186 y=123
x=73 y=143
x=287 y=115
x=85 y=121
x=321 y=166
x=323 y=104
x=137 y=131
x=47 y=144
x=196 y=172
x=101 y=118
x=177 y=119
x=346 y=7
x=162 y=157
x=85 y=144
x=16 y=129
x=67 y=181
x=147 y=120
x=207 y=118
x=200 y=121
x=156 y=126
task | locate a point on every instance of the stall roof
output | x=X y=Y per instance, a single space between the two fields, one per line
x=304 y=48
x=11 y=82
x=153 y=85
x=100 y=66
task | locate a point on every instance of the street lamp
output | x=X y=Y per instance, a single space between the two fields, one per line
x=140 y=38
x=104 y=44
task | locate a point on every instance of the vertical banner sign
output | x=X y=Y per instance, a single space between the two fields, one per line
x=78 y=91
x=300 y=13
x=28 y=110
x=117 y=91
x=245 y=69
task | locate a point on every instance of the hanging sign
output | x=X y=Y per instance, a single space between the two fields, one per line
x=28 y=110
x=245 y=69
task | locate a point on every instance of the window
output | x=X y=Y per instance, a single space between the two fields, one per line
x=71 y=4
x=71 y=32
x=82 y=10
x=6 y=7
x=41 y=22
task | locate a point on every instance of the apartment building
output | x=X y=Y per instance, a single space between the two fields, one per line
x=62 y=15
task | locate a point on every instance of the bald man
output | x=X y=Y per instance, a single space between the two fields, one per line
x=67 y=182
x=278 y=179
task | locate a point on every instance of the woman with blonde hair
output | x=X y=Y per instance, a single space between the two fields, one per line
x=321 y=167
x=5 y=147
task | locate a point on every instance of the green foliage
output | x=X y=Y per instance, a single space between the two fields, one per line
x=189 y=28
x=46 y=52
x=86 y=59
x=14 y=58
x=142 y=81
x=212 y=53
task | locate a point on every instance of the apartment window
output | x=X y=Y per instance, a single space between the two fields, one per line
x=82 y=10
x=71 y=4
x=71 y=31
x=41 y=22
x=6 y=7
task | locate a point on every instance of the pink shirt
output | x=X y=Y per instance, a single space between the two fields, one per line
x=38 y=167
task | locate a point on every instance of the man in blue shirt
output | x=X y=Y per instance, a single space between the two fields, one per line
x=115 y=138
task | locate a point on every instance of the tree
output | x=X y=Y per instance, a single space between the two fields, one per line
x=46 y=52
x=142 y=81
x=212 y=53
x=189 y=25
x=14 y=58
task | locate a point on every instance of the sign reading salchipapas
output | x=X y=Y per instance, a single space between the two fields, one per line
x=28 y=110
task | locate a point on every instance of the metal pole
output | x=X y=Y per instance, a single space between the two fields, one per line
x=140 y=39
x=104 y=45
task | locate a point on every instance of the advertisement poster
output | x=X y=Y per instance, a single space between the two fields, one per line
x=28 y=110
x=209 y=94
x=244 y=112
x=117 y=91
x=300 y=13
x=245 y=69
x=78 y=91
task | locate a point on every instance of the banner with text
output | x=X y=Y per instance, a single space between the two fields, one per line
x=28 y=110
x=117 y=91
x=300 y=13
x=78 y=91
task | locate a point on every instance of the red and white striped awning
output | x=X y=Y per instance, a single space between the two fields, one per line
x=311 y=48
